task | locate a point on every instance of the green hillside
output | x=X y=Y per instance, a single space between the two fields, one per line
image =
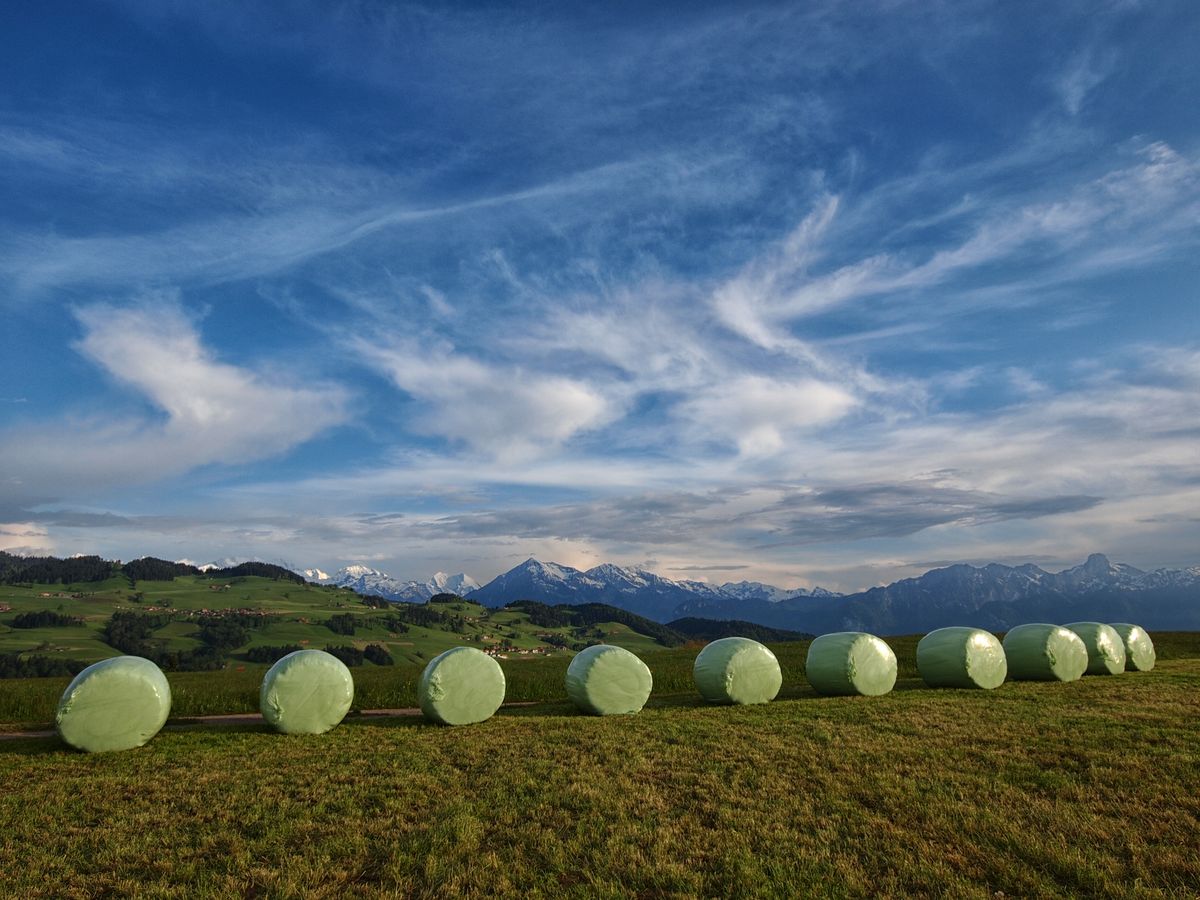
x=198 y=621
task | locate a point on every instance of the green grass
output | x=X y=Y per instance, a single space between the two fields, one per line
x=298 y=613
x=1033 y=790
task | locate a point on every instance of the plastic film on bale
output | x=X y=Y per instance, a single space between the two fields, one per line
x=306 y=692
x=116 y=704
x=1139 y=649
x=1042 y=652
x=460 y=687
x=1105 y=649
x=961 y=658
x=850 y=662
x=606 y=681
x=737 y=670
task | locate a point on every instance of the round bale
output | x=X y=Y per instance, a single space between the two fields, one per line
x=1139 y=649
x=961 y=657
x=850 y=662
x=115 y=704
x=461 y=687
x=606 y=681
x=737 y=670
x=306 y=692
x=1041 y=652
x=1105 y=649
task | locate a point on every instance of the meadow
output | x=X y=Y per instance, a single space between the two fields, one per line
x=1080 y=789
x=281 y=613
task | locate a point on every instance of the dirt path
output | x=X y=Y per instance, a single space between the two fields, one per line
x=250 y=719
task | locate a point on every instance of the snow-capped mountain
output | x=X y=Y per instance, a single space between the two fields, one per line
x=365 y=580
x=632 y=589
x=997 y=597
x=992 y=596
x=756 y=590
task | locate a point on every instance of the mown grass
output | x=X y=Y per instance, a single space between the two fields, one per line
x=1082 y=789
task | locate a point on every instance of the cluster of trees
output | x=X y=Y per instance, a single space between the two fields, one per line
x=342 y=623
x=258 y=570
x=38 y=666
x=83 y=569
x=272 y=654
x=352 y=656
x=420 y=614
x=51 y=570
x=43 y=618
x=149 y=568
x=132 y=633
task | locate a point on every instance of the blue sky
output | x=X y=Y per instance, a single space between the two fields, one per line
x=820 y=293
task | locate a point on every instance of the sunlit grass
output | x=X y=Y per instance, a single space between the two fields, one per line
x=1082 y=789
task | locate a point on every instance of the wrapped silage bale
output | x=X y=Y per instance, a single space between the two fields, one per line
x=1139 y=649
x=306 y=692
x=737 y=670
x=115 y=704
x=605 y=680
x=1041 y=652
x=961 y=657
x=460 y=687
x=850 y=662
x=1105 y=649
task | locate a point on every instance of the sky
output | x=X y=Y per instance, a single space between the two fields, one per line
x=818 y=293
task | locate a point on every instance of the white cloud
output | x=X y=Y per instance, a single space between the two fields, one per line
x=759 y=414
x=500 y=411
x=213 y=412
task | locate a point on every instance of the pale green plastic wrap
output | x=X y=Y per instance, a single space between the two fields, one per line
x=962 y=658
x=737 y=670
x=1105 y=649
x=1041 y=652
x=850 y=662
x=115 y=704
x=460 y=687
x=608 y=681
x=306 y=692
x=1139 y=649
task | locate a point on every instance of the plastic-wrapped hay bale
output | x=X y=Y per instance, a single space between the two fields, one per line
x=460 y=687
x=115 y=704
x=605 y=680
x=1139 y=649
x=737 y=670
x=306 y=692
x=850 y=662
x=1105 y=649
x=1041 y=652
x=961 y=657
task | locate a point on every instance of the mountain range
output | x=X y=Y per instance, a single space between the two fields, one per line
x=365 y=580
x=994 y=596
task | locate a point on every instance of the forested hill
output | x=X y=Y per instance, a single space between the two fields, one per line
x=91 y=569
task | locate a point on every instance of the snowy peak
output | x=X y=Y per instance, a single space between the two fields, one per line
x=634 y=589
x=365 y=580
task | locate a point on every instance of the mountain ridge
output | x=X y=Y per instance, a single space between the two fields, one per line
x=993 y=596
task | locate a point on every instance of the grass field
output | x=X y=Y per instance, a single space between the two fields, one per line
x=296 y=615
x=1081 y=789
